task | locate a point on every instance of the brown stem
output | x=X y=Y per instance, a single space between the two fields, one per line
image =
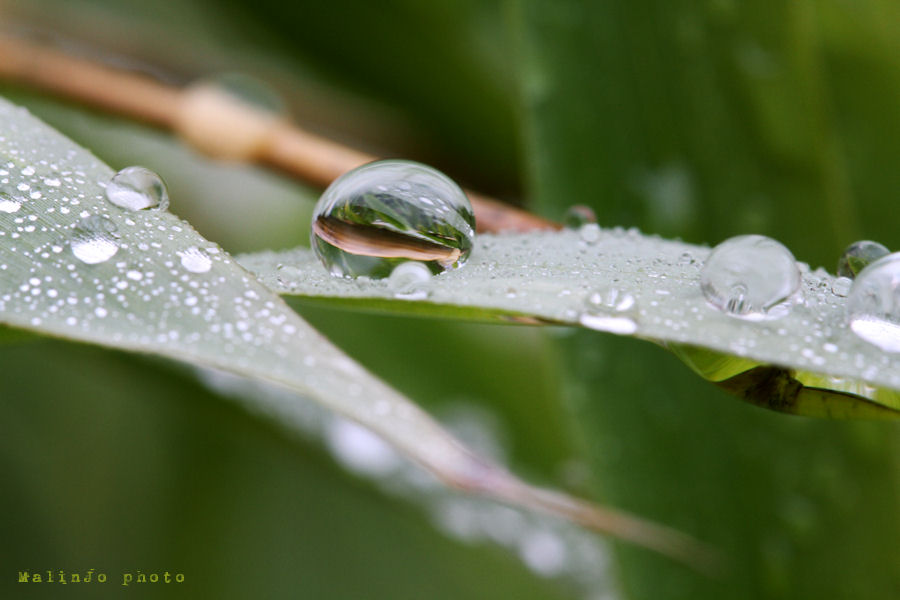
x=214 y=122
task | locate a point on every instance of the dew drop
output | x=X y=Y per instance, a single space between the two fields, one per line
x=410 y=281
x=137 y=188
x=749 y=276
x=589 y=232
x=195 y=260
x=858 y=255
x=578 y=215
x=8 y=204
x=841 y=286
x=388 y=212
x=873 y=305
x=611 y=310
x=94 y=239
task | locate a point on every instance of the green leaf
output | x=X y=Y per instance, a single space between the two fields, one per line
x=550 y=277
x=703 y=121
x=78 y=267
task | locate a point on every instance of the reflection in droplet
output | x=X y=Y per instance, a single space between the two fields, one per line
x=137 y=188
x=578 y=215
x=873 y=306
x=410 y=280
x=611 y=310
x=94 y=240
x=749 y=276
x=388 y=212
x=195 y=260
x=858 y=255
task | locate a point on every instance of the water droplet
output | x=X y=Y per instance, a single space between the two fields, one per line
x=578 y=215
x=94 y=239
x=8 y=204
x=841 y=286
x=858 y=255
x=195 y=260
x=389 y=212
x=589 y=232
x=611 y=310
x=749 y=276
x=137 y=188
x=410 y=280
x=873 y=306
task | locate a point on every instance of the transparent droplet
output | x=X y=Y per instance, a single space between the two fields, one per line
x=589 y=232
x=8 y=204
x=578 y=215
x=873 y=305
x=858 y=255
x=410 y=281
x=749 y=276
x=841 y=286
x=94 y=240
x=195 y=260
x=389 y=212
x=137 y=188
x=611 y=310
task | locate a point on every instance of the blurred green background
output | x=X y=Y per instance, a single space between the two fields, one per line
x=690 y=119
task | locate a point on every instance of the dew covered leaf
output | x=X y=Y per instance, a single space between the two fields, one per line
x=76 y=266
x=79 y=267
x=806 y=362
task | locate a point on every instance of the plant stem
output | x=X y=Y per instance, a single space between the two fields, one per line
x=214 y=122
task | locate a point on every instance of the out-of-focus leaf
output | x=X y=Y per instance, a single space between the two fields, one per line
x=120 y=464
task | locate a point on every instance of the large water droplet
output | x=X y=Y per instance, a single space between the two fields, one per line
x=137 y=188
x=858 y=255
x=410 y=281
x=94 y=240
x=751 y=277
x=195 y=260
x=388 y=212
x=578 y=215
x=610 y=310
x=873 y=306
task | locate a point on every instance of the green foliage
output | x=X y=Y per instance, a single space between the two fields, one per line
x=688 y=120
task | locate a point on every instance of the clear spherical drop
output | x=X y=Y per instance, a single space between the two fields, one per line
x=858 y=255
x=137 y=188
x=841 y=286
x=94 y=240
x=589 y=232
x=195 y=260
x=873 y=305
x=578 y=215
x=410 y=281
x=750 y=276
x=388 y=212
x=611 y=310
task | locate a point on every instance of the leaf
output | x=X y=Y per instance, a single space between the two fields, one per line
x=549 y=277
x=78 y=267
x=704 y=121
